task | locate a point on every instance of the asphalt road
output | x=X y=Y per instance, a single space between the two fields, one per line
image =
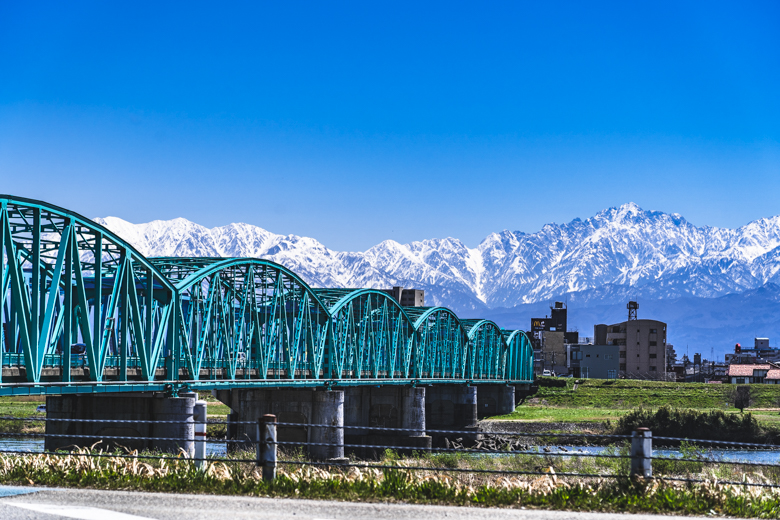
x=85 y=504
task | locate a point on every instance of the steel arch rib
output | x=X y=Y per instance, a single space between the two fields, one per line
x=265 y=331
x=52 y=309
x=486 y=349
x=520 y=358
x=441 y=343
x=371 y=334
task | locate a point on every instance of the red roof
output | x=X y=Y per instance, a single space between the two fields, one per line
x=746 y=370
x=774 y=373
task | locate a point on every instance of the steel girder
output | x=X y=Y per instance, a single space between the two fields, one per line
x=69 y=285
x=66 y=281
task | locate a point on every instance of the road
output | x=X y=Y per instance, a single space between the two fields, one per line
x=87 y=504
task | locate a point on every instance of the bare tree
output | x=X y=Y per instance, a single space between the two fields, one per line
x=741 y=397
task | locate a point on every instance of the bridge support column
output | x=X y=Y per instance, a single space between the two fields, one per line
x=385 y=407
x=291 y=406
x=451 y=407
x=522 y=391
x=135 y=408
x=495 y=400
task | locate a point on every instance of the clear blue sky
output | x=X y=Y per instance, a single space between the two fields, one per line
x=353 y=123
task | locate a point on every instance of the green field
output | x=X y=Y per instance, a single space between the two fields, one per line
x=20 y=406
x=600 y=400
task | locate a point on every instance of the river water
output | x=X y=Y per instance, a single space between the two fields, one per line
x=716 y=455
x=218 y=449
x=213 y=449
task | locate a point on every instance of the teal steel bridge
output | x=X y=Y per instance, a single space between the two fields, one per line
x=83 y=311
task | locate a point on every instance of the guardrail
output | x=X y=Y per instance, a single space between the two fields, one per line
x=267 y=453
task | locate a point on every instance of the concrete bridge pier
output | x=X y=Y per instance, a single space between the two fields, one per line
x=495 y=400
x=386 y=406
x=136 y=408
x=292 y=406
x=523 y=391
x=451 y=407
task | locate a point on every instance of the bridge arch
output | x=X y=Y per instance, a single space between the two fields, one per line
x=245 y=318
x=440 y=351
x=69 y=285
x=371 y=336
x=520 y=356
x=486 y=350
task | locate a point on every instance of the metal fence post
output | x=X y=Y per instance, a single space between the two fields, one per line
x=266 y=446
x=641 y=453
x=200 y=419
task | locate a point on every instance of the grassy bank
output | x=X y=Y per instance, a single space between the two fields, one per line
x=591 y=400
x=548 y=491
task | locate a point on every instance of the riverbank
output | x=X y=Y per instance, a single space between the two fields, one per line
x=399 y=485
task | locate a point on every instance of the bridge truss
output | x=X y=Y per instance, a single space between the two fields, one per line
x=83 y=311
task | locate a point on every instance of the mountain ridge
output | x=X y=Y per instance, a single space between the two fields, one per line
x=619 y=250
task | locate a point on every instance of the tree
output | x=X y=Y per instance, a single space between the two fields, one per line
x=741 y=397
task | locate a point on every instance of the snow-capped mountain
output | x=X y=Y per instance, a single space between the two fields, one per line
x=619 y=251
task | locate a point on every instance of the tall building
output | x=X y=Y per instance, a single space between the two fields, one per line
x=642 y=345
x=407 y=297
x=550 y=337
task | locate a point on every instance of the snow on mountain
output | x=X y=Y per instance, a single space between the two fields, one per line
x=624 y=250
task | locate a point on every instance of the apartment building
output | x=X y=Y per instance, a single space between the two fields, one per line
x=642 y=345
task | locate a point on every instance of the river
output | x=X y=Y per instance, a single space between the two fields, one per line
x=218 y=449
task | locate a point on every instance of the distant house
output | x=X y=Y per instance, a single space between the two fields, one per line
x=767 y=373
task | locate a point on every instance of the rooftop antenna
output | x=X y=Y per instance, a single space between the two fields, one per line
x=632 y=308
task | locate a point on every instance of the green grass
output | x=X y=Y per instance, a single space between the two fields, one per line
x=375 y=485
x=601 y=400
x=215 y=409
x=20 y=406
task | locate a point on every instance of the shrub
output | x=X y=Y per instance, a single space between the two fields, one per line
x=693 y=424
x=551 y=382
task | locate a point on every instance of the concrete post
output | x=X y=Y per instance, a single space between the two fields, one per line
x=413 y=410
x=506 y=400
x=451 y=407
x=266 y=447
x=641 y=453
x=179 y=409
x=495 y=400
x=328 y=409
x=132 y=413
x=200 y=418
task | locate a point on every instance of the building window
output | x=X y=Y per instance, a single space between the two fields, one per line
x=623 y=367
x=652 y=369
x=653 y=343
x=653 y=331
x=653 y=356
x=611 y=374
x=622 y=354
x=587 y=355
x=740 y=380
